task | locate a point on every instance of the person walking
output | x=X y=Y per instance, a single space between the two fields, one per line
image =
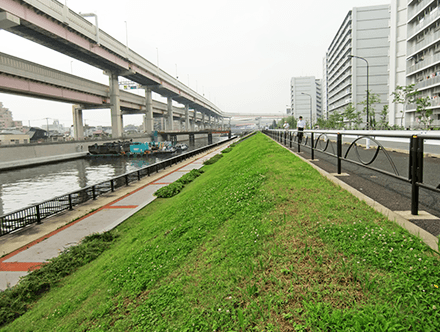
x=286 y=125
x=300 y=126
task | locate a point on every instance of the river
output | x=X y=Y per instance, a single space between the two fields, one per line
x=28 y=186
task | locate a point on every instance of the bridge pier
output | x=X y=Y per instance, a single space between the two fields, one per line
x=193 y=125
x=78 y=129
x=115 y=106
x=170 y=113
x=203 y=121
x=187 y=117
x=148 y=117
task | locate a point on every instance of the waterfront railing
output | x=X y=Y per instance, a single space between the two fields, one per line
x=36 y=213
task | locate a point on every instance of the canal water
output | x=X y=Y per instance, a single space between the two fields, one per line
x=28 y=186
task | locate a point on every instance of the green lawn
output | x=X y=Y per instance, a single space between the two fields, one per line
x=259 y=242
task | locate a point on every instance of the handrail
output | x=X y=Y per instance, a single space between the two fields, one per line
x=35 y=213
x=416 y=150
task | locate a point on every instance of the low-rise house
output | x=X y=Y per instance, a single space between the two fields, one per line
x=9 y=137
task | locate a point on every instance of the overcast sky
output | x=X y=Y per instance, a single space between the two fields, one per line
x=241 y=54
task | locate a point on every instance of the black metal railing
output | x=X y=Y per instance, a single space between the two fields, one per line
x=331 y=143
x=36 y=213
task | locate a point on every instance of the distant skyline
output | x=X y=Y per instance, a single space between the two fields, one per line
x=240 y=54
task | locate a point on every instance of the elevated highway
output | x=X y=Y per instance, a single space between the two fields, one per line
x=18 y=76
x=54 y=25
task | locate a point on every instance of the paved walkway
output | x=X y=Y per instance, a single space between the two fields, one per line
x=26 y=249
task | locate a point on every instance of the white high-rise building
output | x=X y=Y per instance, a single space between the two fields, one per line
x=422 y=53
x=306 y=98
x=364 y=33
x=397 y=66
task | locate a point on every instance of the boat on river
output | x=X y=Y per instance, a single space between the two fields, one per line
x=113 y=148
x=129 y=148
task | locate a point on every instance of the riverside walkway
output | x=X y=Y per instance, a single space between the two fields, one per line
x=34 y=245
x=28 y=248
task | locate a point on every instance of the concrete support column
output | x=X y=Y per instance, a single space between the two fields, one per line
x=187 y=117
x=170 y=114
x=78 y=129
x=117 y=126
x=193 y=126
x=203 y=121
x=148 y=118
x=223 y=123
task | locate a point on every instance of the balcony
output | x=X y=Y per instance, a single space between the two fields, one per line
x=424 y=43
x=428 y=82
x=413 y=29
x=412 y=11
x=426 y=63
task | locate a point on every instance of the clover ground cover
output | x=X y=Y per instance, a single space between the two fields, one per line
x=259 y=242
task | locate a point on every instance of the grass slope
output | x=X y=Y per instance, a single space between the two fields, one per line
x=259 y=242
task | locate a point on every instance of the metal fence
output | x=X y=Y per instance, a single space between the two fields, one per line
x=36 y=213
x=330 y=143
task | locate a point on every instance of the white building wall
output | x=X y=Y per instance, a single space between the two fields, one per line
x=397 y=66
x=423 y=55
x=301 y=102
x=364 y=33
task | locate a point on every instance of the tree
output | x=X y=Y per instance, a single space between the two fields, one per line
x=373 y=100
x=349 y=114
x=383 y=123
x=335 y=121
x=408 y=95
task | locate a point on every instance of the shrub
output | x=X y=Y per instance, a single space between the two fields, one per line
x=176 y=187
x=191 y=176
x=170 y=190
x=227 y=150
x=213 y=159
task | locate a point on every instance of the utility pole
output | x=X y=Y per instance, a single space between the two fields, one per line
x=47 y=127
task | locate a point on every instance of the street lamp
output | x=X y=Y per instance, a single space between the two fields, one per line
x=368 y=92
x=310 y=107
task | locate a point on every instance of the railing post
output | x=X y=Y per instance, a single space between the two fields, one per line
x=298 y=142
x=416 y=171
x=70 y=202
x=37 y=207
x=311 y=146
x=94 y=192
x=339 y=153
x=139 y=175
x=112 y=185
x=126 y=180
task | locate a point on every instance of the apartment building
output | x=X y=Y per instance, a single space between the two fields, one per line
x=364 y=33
x=6 y=120
x=306 y=99
x=422 y=54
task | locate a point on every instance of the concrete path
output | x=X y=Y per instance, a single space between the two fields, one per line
x=26 y=249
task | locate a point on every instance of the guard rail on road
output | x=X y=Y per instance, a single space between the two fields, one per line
x=329 y=142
